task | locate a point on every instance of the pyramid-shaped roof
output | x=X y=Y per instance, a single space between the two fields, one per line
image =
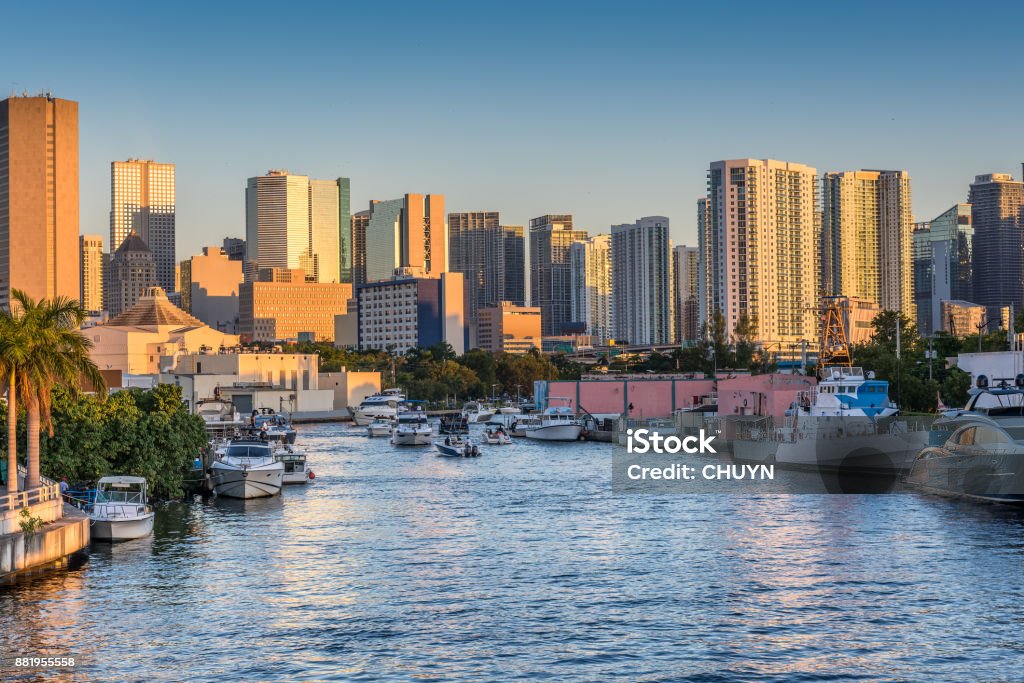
x=152 y=310
x=133 y=243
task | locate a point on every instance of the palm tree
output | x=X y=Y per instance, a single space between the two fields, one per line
x=14 y=344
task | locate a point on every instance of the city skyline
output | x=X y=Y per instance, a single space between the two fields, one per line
x=866 y=114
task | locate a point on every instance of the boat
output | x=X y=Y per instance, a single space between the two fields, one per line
x=982 y=455
x=120 y=511
x=380 y=426
x=274 y=426
x=845 y=391
x=519 y=427
x=505 y=417
x=555 y=423
x=296 y=469
x=497 y=437
x=453 y=424
x=246 y=468
x=220 y=418
x=454 y=447
x=475 y=411
x=387 y=403
x=412 y=429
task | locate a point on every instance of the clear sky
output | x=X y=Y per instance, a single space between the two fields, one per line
x=607 y=111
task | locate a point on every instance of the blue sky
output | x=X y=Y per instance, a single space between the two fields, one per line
x=607 y=111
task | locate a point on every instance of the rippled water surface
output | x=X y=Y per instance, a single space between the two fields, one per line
x=523 y=564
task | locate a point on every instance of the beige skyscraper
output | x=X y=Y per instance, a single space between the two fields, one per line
x=590 y=273
x=760 y=247
x=142 y=199
x=39 y=250
x=91 y=268
x=868 y=222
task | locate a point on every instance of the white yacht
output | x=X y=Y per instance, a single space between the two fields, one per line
x=475 y=411
x=505 y=417
x=247 y=469
x=121 y=511
x=412 y=429
x=555 y=423
x=296 y=469
x=380 y=426
x=385 y=404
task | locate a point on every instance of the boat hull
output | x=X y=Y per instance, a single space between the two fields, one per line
x=115 y=530
x=247 y=483
x=996 y=478
x=378 y=431
x=290 y=478
x=446 y=451
x=411 y=438
x=561 y=432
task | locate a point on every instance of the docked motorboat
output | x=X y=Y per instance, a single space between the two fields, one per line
x=982 y=458
x=387 y=404
x=497 y=437
x=220 y=417
x=475 y=411
x=454 y=447
x=380 y=426
x=120 y=511
x=272 y=426
x=505 y=417
x=246 y=468
x=453 y=424
x=555 y=423
x=296 y=469
x=412 y=429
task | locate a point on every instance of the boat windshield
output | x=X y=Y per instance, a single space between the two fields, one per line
x=246 y=450
x=129 y=494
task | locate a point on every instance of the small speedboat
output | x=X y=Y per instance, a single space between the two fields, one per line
x=121 y=511
x=381 y=426
x=454 y=447
x=272 y=426
x=246 y=468
x=497 y=437
x=474 y=411
x=296 y=469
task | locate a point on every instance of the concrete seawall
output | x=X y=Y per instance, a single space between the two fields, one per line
x=48 y=547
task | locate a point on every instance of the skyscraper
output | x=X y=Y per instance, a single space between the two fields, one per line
x=39 y=250
x=142 y=199
x=298 y=223
x=550 y=277
x=407 y=233
x=360 y=221
x=132 y=271
x=590 y=273
x=868 y=224
x=489 y=255
x=707 y=264
x=942 y=265
x=686 y=276
x=91 y=268
x=762 y=248
x=997 y=213
x=642 y=281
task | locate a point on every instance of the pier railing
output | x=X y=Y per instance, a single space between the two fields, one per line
x=47 y=491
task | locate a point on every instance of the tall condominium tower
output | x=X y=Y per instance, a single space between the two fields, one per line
x=407 y=233
x=39 y=250
x=642 y=280
x=550 y=281
x=686 y=277
x=142 y=199
x=707 y=264
x=296 y=222
x=868 y=224
x=91 y=268
x=942 y=265
x=360 y=221
x=762 y=248
x=997 y=213
x=489 y=255
x=590 y=272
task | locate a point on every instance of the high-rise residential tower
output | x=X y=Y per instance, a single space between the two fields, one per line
x=868 y=225
x=997 y=214
x=91 y=268
x=39 y=250
x=550 y=278
x=590 y=272
x=762 y=248
x=360 y=221
x=707 y=265
x=642 y=281
x=942 y=265
x=686 y=276
x=489 y=255
x=142 y=199
x=410 y=232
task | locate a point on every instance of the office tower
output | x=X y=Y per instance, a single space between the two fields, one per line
x=590 y=275
x=39 y=250
x=132 y=271
x=997 y=214
x=408 y=311
x=686 y=277
x=344 y=230
x=234 y=248
x=91 y=269
x=762 y=248
x=550 y=278
x=142 y=199
x=282 y=304
x=868 y=224
x=209 y=288
x=642 y=281
x=489 y=255
x=296 y=222
x=406 y=233
x=509 y=328
x=707 y=264
x=942 y=265
x=360 y=221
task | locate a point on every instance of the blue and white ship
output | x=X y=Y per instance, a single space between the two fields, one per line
x=846 y=392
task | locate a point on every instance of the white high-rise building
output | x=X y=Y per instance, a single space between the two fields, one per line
x=590 y=274
x=142 y=199
x=642 y=281
x=759 y=248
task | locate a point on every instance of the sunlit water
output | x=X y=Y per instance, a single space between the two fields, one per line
x=522 y=564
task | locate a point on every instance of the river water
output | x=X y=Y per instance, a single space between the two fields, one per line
x=523 y=564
